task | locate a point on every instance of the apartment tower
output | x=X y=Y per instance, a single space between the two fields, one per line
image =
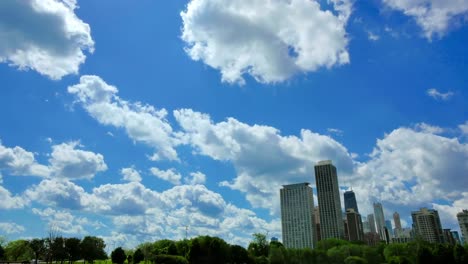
x=297 y=216
x=463 y=222
x=328 y=194
x=427 y=226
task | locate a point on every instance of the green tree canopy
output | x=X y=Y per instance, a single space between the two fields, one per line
x=92 y=248
x=118 y=256
x=138 y=256
x=259 y=245
x=18 y=250
x=38 y=247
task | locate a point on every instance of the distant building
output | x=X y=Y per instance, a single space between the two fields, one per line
x=354 y=225
x=463 y=222
x=297 y=216
x=427 y=226
x=448 y=238
x=317 y=223
x=350 y=201
x=397 y=222
x=274 y=239
x=328 y=193
x=456 y=237
x=371 y=220
x=388 y=225
x=379 y=220
x=365 y=227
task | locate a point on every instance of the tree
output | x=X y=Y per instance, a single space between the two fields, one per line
x=18 y=250
x=170 y=259
x=146 y=250
x=72 y=248
x=138 y=256
x=38 y=247
x=259 y=246
x=355 y=260
x=92 y=248
x=57 y=248
x=2 y=252
x=118 y=256
x=239 y=254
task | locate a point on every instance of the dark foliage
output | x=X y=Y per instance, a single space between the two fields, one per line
x=138 y=256
x=169 y=259
x=118 y=256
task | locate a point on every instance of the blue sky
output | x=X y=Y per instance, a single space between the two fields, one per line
x=131 y=120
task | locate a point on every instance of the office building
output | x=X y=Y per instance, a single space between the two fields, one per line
x=397 y=222
x=365 y=227
x=427 y=226
x=463 y=222
x=354 y=225
x=317 y=222
x=456 y=237
x=328 y=194
x=371 y=220
x=350 y=201
x=379 y=220
x=297 y=216
x=388 y=225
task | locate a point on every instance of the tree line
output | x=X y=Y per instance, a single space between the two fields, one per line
x=214 y=250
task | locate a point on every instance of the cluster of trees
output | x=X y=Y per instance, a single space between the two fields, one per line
x=54 y=249
x=214 y=250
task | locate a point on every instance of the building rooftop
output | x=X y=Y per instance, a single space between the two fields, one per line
x=325 y=162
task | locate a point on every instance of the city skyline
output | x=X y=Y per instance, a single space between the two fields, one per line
x=139 y=120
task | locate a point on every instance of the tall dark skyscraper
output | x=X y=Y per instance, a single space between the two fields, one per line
x=350 y=201
x=328 y=194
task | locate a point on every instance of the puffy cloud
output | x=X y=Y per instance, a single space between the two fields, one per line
x=269 y=40
x=143 y=123
x=435 y=17
x=439 y=95
x=448 y=212
x=170 y=175
x=65 y=222
x=196 y=178
x=130 y=174
x=8 y=201
x=464 y=128
x=43 y=35
x=11 y=228
x=263 y=158
x=423 y=127
x=18 y=161
x=69 y=162
x=131 y=198
x=60 y=193
x=409 y=167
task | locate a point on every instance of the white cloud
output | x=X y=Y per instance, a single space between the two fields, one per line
x=448 y=213
x=263 y=158
x=196 y=178
x=11 y=228
x=423 y=127
x=335 y=131
x=439 y=95
x=130 y=174
x=143 y=123
x=18 y=161
x=170 y=175
x=8 y=201
x=435 y=17
x=373 y=36
x=69 y=162
x=414 y=168
x=65 y=222
x=43 y=35
x=269 y=40
x=464 y=128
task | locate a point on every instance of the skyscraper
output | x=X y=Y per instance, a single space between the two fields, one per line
x=354 y=224
x=350 y=201
x=328 y=192
x=426 y=225
x=371 y=220
x=297 y=216
x=463 y=222
x=397 y=222
x=388 y=225
x=379 y=220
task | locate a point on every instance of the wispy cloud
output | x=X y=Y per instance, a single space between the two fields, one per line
x=439 y=95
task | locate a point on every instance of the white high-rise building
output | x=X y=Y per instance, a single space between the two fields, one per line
x=463 y=222
x=328 y=194
x=297 y=216
x=379 y=220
